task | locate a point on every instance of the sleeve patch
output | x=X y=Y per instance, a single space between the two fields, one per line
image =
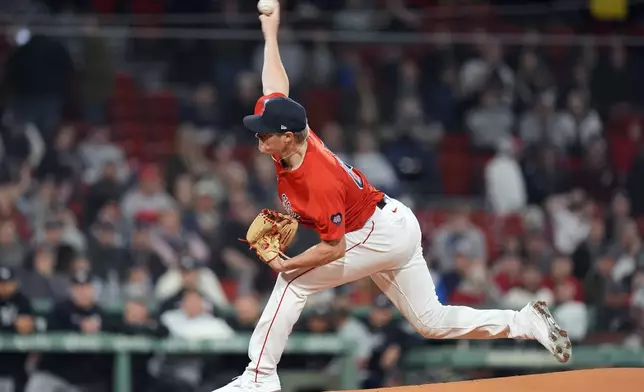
x=336 y=219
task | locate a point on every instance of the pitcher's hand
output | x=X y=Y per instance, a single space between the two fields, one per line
x=270 y=23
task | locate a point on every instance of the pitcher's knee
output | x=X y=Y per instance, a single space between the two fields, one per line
x=430 y=325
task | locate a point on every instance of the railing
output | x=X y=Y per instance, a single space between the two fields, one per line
x=124 y=346
x=470 y=357
x=583 y=357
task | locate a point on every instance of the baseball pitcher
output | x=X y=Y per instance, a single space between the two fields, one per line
x=362 y=233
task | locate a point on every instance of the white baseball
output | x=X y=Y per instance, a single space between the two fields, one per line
x=266 y=7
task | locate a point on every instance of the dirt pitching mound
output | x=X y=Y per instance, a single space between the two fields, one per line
x=595 y=380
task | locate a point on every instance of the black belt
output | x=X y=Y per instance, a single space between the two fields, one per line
x=382 y=203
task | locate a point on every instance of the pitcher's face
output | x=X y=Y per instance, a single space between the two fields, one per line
x=274 y=143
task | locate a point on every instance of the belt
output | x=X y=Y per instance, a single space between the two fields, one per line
x=382 y=203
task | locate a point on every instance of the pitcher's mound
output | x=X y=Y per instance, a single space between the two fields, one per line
x=595 y=380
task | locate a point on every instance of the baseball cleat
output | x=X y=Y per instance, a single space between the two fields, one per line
x=548 y=332
x=247 y=384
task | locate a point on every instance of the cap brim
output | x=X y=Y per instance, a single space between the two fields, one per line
x=254 y=124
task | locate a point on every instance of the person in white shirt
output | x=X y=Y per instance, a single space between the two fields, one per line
x=504 y=183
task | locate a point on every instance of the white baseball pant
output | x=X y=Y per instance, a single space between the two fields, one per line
x=388 y=249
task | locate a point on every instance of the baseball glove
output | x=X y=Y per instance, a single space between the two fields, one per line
x=270 y=234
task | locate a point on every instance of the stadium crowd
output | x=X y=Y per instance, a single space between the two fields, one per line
x=127 y=180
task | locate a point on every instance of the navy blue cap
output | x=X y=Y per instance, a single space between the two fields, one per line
x=279 y=115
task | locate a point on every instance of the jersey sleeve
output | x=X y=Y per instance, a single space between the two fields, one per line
x=330 y=215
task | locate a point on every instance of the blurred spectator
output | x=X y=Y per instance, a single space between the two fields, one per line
x=148 y=198
x=442 y=103
x=490 y=122
x=532 y=289
x=411 y=148
x=504 y=183
x=369 y=160
x=467 y=283
x=16 y=316
x=39 y=75
x=140 y=251
x=204 y=216
x=246 y=92
x=635 y=183
x=538 y=124
x=628 y=252
x=190 y=275
x=615 y=78
x=388 y=344
x=319 y=321
x=597 y=178
x=96 y=74
x=62 y=162
x=183 y=193
x=21 y=143
x=83 y=371
x=97 y=151
x=169 y=239
x=188 y=158
x=356 y=15
x=137 y=321
x=486 y=68
x=587 y=252
x=202 y=113
x=578 y=124
x=545 y=177
x=571 y=313
x=607 y=295
x=106 y=253
x=53 y=235
x=12 y=251
x=335 y=138
x=191 y=321
x=617 y=216
x=637 y=311
x=570 y=215
x=454 y=233
x=538 y=250
x=262 y=182
x=321 y=66
x=247 y=312
x=533 y=78
x=561 y=273
x=358 y=100
x=353 y=330
x=507 y=272
x=138 y=284
x=43 y=281
x=107 y=188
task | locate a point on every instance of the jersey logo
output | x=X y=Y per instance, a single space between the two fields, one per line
x=336 y=219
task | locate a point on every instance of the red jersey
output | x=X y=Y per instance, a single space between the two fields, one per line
x=325 y=193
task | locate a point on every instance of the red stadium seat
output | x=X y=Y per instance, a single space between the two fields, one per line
x=455 y=170
x=512 y=225
x=161 y=107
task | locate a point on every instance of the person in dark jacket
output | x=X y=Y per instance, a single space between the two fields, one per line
x=16 y=316
x=87 y=371
x=39 y=77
